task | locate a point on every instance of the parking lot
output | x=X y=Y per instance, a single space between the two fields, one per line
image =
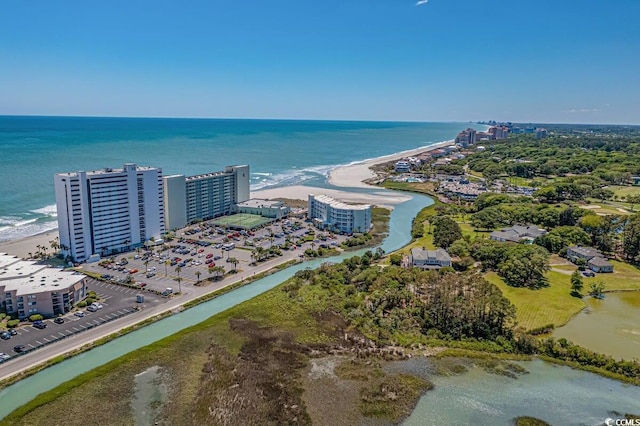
x=198 y=247
x=117 y=302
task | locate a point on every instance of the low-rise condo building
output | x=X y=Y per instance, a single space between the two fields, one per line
x=206 y=196
x=108 y=211
x=27 y=288
x=266 y=208
x=329 y=213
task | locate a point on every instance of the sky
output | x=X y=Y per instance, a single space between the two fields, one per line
x=544 y=61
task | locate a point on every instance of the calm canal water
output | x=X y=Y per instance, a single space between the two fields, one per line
x=559 y=395
x=25 y=390
x=610 y=326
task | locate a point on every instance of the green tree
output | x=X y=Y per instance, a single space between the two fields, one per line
x=459 y=248
x=596 y=288
x=576 y=283
x=445 y=231
x=395 y=259
x=525 y=266
x=631 y=237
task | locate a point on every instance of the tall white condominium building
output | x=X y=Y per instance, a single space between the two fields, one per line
x=27 y=288
x=204 y=197
x=109 y=211
x=328 y=213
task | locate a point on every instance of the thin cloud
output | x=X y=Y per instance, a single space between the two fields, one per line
x=578 y=110
x=421 y=2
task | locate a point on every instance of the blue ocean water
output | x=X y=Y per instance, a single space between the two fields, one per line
x=280 y=152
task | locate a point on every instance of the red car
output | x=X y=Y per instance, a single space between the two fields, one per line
x=200 y=251
x=142 y=285
x=210 y=255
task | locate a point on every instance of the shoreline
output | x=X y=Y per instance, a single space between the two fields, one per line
x=344 y=176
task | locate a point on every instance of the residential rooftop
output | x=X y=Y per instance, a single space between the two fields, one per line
x=48 y=279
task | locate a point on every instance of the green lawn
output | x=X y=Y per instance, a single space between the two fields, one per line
x=537 y=308
x=623 y=191
x=624 y=277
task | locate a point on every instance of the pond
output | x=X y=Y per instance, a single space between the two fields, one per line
x=556 y=394
x=610 y=326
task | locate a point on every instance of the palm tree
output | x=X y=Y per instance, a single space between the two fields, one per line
x=146 y=265
x=234 y=261
x=198 y=276
x=166 y=262
x=178 y=269
x=126 y=244
x=179 y=280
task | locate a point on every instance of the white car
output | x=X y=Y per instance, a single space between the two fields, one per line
x=97 y=305
x=79 y=314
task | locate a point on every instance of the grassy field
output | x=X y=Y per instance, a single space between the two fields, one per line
x=537 y=308
x=623 y=191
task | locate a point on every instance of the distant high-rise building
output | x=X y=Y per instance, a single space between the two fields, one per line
x=541 y=133
x=205 y=196
x=466 y=137
x=108 y=211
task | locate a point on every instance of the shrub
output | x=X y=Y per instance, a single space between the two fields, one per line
x=3 y=316
x=89 y=300
x=81 y=304
x=36 y=317
x=13 y=323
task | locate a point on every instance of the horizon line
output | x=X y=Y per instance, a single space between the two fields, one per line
x=315 y=119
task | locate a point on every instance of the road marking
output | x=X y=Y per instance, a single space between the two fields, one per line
x=45 y=339
x=76 y=328
x=26 y=330
x=53 y=337
x=38 y=342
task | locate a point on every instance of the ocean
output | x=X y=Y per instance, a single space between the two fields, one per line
x=279 y=152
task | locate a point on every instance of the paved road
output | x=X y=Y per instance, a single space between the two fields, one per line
x=24 y=362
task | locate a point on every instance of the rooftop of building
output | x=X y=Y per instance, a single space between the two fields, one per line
x=586 y=251
x=20 y=269
x=339 y=204
x=48 y=279
x=599 y=261
x=7 y=259
x=108 y=170
x=261 y=203
x=422 y=254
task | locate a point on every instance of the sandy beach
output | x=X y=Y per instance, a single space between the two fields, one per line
x=24 y=246
x=350 y=176
x=299 y=192
x=353 y=175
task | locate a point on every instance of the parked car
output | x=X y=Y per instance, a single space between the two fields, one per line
x=92 y=308
x=79 y=314
x=142 y=285
x=13 y=332
x=210 y=255
x=589 y=274
x=97 y=305
x=4 y=357
x=59 y=320
x=5 y=335
x=19 y=348
x=39 y=324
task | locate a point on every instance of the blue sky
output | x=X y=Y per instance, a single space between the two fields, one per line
x=446 y=60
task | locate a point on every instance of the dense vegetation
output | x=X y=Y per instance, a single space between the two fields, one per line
x=612 y=160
